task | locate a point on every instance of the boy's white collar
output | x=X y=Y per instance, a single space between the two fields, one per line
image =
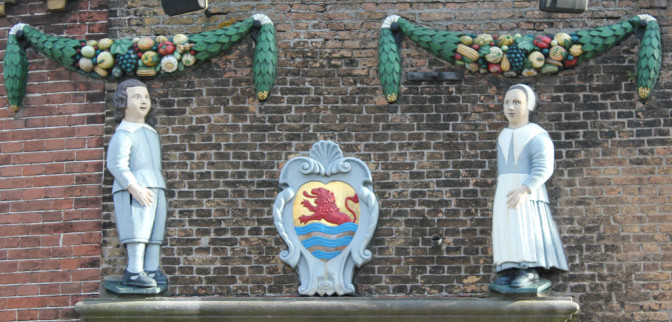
x=132 y=126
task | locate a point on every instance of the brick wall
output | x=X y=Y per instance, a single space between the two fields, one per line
x=432 y=155
x=50 y=173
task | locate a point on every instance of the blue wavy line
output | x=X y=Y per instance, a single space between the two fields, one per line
x=321 y=241
x=325 y=255
x=348 y=226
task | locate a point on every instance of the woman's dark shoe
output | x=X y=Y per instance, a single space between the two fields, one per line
x=138 y=280
x=505 y=277
x=158 y=276
x=525 y=277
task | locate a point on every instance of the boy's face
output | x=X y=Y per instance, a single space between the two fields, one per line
x=138 y=104
x=515 y=108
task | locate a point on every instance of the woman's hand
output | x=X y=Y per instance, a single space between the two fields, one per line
x=141 y=194
x=515 y=197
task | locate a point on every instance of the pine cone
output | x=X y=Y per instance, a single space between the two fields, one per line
x=265 y=61
x=389 y=63
x=15 y=68
x=650 y=59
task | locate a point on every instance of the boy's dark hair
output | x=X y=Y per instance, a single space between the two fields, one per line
x=120 y=99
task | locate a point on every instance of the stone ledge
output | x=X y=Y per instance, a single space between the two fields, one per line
x=293 y=309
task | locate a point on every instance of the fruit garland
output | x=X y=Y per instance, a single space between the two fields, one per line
x=518 y=55
x=140 y=57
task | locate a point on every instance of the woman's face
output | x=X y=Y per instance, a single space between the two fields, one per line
x=515 y=108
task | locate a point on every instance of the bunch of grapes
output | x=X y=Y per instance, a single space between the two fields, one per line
x=128 y=61
x=516 y=57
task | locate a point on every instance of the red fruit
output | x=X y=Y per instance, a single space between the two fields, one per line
x=192 y=52
x=571 y=63
x=495 y=37
x=166 y=48
x=546 y=39
x=492 y=44
x=458 y=56
x=475 y=46
x=139 y=55
x=494 y=68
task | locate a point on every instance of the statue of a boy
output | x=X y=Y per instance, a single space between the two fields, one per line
x=524 y=235
x=134 y=159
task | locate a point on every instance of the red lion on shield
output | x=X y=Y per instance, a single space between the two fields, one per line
x=325 y=207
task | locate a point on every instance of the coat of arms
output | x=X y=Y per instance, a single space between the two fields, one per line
x=326 y=213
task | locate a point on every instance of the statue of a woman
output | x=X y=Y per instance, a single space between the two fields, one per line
x=524 y=235
x=134 y=159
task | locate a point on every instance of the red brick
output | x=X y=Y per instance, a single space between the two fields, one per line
x=53 y=168
x=26 y=302
x=30 y=315
x=9 y=266
x=9 y=218
x=10 y=171
x=33 y=146
x=7 y=315
x=27 y=290
x=31 y=217
x=48 y=314
x=58 y=144
x=11 y=147
x=15 y=278
x=86 y=275
x=54 y=277
x=8 y=291
x=50 y=289
x=33 y=170
x=29 y=241
x=10 y=195
x=14 y=230
x=30 y=194
x=86 y=250
x=56 y=180
x=83 y=155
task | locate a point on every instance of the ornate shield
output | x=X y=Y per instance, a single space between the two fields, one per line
x=326 y=213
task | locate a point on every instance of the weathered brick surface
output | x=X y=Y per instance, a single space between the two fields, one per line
x=50 y=175
x=432 y=156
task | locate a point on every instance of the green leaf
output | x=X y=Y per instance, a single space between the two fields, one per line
x=224 y=38
x=204 y=55
x=525 y=43
x=121 y=46
x=211 y=39
x=214 y=48
x=606 y=32
x=201 y=46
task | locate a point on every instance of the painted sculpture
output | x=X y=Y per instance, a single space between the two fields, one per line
x=140 y=57
x=134 y=159
x=518 y=55
x=524 y=235
x=326 y=213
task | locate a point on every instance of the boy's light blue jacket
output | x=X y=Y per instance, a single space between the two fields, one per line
x=134 y=155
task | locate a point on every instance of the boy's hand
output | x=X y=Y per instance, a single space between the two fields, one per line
x=141 y=194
